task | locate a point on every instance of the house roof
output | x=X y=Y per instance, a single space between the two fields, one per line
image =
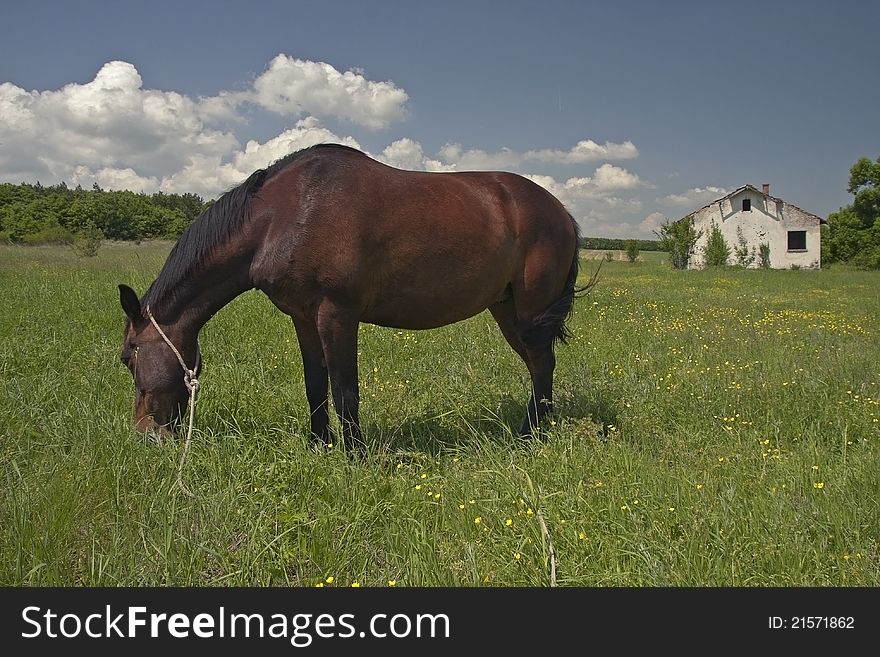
x=758 y=191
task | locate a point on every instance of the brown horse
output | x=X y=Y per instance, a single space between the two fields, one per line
x=334 y=238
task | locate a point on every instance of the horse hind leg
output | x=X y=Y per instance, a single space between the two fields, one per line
x=532 y=325
x=539 y=358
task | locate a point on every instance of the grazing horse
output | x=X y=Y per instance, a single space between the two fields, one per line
x=335 y=238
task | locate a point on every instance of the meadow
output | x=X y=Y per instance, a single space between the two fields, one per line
x=714 y=428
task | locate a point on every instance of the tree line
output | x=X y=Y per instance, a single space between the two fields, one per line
x=615 y=244
x=57 y=214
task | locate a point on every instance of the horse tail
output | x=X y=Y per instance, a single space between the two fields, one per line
x=551 y=326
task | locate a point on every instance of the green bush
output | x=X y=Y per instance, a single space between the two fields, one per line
x=867 y=259
x=87 y=242
x=744 y=255
x=764 y=255
x=51 y=234
x=679 y=238
x=632 y=250
x=716 y=251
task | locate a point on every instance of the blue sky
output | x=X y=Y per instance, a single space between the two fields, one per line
x=631 y=112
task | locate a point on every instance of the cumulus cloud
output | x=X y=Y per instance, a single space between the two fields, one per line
x=294 y=87
x=115 y=132
x=599 y=202
x=108 y=124
x=695 y=197
x=110 y=178
x=596 y=202
x=455 y=156
x=208 y=175
x=404 y=154
x=605 y=180
x=584 y=152
x=652 y=222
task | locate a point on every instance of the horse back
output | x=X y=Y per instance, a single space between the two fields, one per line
x=402 y=248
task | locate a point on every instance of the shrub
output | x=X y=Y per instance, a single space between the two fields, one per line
x=867 y=259
x=744 y=256
x=764 y=255
x=52 y=233
x=716 y=251
x=632 y=250
x=679 y=239
x=87 y=242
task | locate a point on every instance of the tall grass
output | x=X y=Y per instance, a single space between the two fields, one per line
x=713 y=428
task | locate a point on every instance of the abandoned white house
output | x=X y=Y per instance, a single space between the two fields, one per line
x=748 y=218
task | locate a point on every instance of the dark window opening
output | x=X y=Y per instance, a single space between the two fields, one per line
x=747 y=205
x=797 y=240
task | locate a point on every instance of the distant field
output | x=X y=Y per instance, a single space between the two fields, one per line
x=652 y=257
x=713 y=428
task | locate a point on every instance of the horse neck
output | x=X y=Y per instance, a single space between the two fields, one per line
x=189 y=304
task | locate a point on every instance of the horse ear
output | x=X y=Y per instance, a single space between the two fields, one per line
x=130 y=303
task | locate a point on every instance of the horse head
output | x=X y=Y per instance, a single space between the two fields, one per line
x=162 y=382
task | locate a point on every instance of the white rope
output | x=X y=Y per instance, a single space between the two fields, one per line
x=192 y=385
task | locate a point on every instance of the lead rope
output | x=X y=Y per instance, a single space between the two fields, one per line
x=192 y=385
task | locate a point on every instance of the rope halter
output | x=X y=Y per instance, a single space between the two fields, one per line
x=189 y=375
x=192 y=386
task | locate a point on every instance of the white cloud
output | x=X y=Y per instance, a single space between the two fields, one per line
x=609 y=177
x=294 y=87
x=307 y=132
x=108 y=124
x=606 y=179
x=595 y=223
x=652 y=222
x=109 y=178
x=475 y=159
x=584 y=152
x=208 y=176
x=594 y=201
x=114 y=132
x=404 y=154
x=695 y=198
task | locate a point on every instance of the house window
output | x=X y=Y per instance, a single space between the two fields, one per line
x=797 y=240
x=747 y=205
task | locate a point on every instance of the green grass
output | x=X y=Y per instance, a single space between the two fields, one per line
x=713 y=428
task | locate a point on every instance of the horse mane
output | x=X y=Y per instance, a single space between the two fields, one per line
x=223 y=219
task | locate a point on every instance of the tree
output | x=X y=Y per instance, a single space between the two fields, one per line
x=854 y=231
x=678 y=238
x=864 y=182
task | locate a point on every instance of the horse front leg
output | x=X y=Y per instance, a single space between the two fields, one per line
x=315 y=374
x=338 y=330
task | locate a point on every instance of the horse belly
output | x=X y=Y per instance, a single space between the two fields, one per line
x=424 y=302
